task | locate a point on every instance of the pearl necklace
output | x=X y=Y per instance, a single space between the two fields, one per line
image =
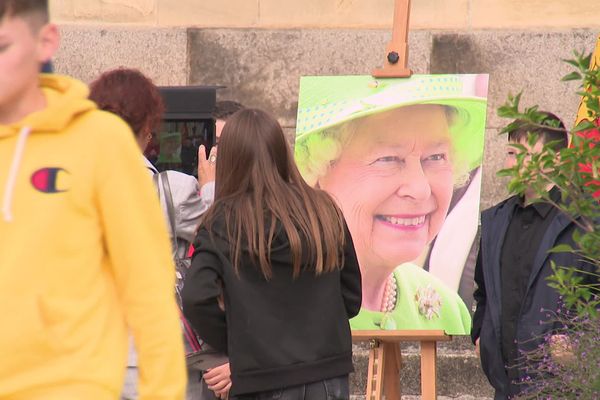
x=388 y=302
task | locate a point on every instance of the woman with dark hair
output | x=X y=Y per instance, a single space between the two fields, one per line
x=133 y=97
x=280 y=254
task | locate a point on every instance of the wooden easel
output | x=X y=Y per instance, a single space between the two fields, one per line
x=385 y=358
x=385 y=361
x=396 y=59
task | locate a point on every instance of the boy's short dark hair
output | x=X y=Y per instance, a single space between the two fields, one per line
x=19 y=8
x=549 y=133
x=225 y=109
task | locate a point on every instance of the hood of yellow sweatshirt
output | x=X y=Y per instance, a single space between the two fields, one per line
x=66 y=98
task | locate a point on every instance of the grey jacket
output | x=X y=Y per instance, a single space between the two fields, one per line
x=189 y=203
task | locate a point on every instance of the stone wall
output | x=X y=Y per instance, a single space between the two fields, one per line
x=426 y=14
x=262 y=67
x=87 y=51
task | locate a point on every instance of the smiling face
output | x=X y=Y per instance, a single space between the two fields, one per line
x=393 y=182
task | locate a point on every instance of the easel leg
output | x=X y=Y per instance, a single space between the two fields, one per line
x=393 y=363
x=428 y=374
x=375 y=373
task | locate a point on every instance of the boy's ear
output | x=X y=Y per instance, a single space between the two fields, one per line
x=48 y=41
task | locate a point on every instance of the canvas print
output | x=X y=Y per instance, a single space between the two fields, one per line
x=402 y=158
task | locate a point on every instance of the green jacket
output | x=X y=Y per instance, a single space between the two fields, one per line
x=416 y=286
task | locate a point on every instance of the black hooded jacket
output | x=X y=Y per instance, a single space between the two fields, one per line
x=533 y=321
x=280 y=332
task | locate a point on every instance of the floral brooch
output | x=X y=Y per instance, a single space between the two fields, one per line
x=429 y=302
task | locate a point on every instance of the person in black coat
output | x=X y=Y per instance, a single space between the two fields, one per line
x=513 y=296
x=274 y=277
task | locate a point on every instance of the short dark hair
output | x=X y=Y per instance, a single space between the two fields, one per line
x=19 y=8
x=225 y=109
x=553 y=130
x=131 y=95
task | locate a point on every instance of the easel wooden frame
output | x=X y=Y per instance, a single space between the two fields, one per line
x=385 y=361
x=396 y=59
x=385 y=358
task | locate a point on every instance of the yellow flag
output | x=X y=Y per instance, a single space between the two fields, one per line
x=594 y=63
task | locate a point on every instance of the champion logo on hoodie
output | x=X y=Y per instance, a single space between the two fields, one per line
x=48 y=180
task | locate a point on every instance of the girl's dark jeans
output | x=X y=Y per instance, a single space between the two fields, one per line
x=329 y=389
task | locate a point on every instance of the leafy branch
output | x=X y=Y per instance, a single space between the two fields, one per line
x=575 y=171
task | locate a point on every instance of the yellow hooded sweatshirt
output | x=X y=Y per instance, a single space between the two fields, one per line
x=84 y=256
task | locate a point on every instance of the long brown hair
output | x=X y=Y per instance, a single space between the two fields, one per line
x=258 y=185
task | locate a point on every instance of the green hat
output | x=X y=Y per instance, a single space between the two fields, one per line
x=329 y=101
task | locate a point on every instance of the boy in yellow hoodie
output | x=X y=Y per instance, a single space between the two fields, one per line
x=84 y=253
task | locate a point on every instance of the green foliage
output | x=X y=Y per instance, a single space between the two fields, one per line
x=576 y=172
x=570 y=374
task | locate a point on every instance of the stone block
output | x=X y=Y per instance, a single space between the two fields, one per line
x=517 y=61
x=356 y=14
x=62 y=10
x=315 y=13
x=123 y=11
x=440 y=14
x=208 y=13
x=87 y=51
x=262 y=68
x=493 y=188
x=498 y=14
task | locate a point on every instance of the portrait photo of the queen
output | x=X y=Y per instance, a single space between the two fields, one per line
x=402 y=158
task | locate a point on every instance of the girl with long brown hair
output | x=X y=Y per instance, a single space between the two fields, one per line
x=280 y=253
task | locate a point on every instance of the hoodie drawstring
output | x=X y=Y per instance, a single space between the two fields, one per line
x=9 y=189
